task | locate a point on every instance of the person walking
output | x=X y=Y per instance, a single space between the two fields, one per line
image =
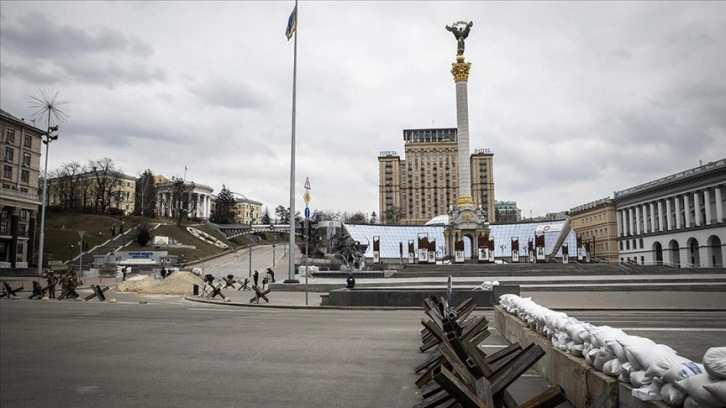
x=255 y=277
x=271 y=273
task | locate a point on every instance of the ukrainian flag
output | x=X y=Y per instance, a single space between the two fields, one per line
x=291 y=23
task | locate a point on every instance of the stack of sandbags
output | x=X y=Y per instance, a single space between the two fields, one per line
x=655 y=370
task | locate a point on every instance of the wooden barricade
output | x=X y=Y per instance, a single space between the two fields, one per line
x=259 y=295
x=97 y=292
x=10 y=292
x=457 y=371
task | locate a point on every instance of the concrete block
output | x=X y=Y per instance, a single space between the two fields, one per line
x=413 y=297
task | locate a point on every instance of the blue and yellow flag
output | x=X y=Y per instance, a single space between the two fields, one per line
x=291 y=23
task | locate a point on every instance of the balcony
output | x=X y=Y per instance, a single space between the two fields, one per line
x=11 y=193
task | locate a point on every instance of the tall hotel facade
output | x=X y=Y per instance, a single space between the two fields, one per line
x=425 y=184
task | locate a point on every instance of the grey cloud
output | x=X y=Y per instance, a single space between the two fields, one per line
x=110 y=73
x=36 y=35
x=228 y=93
x=33 y=73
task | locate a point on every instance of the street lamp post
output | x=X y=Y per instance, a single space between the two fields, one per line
x=46 y=138
x=250 y=270
x=273 y=255
x=80 y=256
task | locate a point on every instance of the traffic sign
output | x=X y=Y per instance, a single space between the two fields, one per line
x=306 y=196
x=307 y=183
x=307 y=213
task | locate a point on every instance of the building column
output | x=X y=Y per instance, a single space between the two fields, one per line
x=630 y=221
x=707 y=205
x=687 y=210
x=669 y=222
x=697 y=208
x=719 y=205
x=661 y=219
x=677 y=202
x=637 y=220
x=619 y=220
x=652 y=218
x=209 y=206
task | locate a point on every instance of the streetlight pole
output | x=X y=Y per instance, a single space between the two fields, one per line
x=273 y=255
x=80 y=256
x=250 y=270
x=47 y=138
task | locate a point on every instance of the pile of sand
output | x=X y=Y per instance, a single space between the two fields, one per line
x=178 y=283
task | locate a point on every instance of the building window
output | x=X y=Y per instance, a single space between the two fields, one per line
x=24 y=215
x=9 y=153
x=25 y=176
x=10 y=136
x=28 y=142
x=7 y=172
x=26 y=159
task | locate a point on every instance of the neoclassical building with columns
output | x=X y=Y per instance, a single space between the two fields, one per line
x=197 y=198
x=676 y=220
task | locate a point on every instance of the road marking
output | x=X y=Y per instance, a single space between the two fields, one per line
x=236 y=309
x=675 y=329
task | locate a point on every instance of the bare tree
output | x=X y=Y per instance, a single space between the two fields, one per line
x=145 y=194
x=107 y=184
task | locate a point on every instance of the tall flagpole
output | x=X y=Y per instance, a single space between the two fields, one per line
x=291 y=246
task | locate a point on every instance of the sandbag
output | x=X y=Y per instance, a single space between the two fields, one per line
x=650 y=392
x=681 y=371
x=663 y=364
x=625 y=370
x=613 y=368
x=694 y=387
x=630 y=344
x=714 y=361
x=603 y=356
x=717 y=389
x=637 y=378
x=647 y=354
x=672 y=395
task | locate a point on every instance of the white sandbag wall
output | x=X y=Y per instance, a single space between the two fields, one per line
x=656 y=371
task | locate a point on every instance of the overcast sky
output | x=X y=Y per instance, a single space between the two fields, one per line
x=575 y=99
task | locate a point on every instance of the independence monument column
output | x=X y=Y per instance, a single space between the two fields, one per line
x=460 y=71
x=465 y=221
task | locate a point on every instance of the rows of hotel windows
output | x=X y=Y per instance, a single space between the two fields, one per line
x=435 y=160
x=432 y=165
x=9 y=157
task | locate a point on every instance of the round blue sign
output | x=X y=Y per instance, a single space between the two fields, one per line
x=307 y=212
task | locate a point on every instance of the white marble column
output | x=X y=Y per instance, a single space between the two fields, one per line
x=697 y=208
x=677 y=202
x=462 y=132
x=661 y=219
x=707 y=205
x=631 y=217
x=652 y=218
x=687 y=210
x=619 y=220
x=719 y=205
x=637 y=220
x=669 y=219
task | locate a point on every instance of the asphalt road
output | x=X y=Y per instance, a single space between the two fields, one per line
x=175 y=353
x=169 y=355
